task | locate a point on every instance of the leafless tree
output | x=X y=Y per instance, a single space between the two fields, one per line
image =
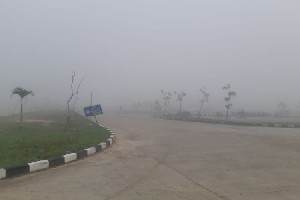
x=166 y=97
x=282 y=110
x=157 y=108
x=204 y=98
x=74 y=92
x=180 y=96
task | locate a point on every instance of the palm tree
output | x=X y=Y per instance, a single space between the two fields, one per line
x=22 y=93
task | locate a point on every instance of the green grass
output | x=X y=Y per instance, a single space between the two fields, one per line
x=42 y=140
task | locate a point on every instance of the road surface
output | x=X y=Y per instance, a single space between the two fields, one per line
x=159 y=159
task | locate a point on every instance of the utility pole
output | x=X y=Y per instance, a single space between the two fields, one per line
x=91 y=101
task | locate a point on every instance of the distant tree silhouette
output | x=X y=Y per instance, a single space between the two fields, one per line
x=282 y=110
x=227 y=98
x=157 y=108
x=204 y=98
x=180 y=96
x=22 y=93
x=166 y=97
x=74 y=92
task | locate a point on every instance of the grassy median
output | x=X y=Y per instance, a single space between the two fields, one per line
x=42 y=136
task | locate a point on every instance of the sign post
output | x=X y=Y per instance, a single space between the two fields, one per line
x=93 y=111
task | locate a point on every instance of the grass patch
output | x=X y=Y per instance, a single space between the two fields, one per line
x=42 y=136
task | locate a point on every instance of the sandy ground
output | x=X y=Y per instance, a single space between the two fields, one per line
x=161 y=159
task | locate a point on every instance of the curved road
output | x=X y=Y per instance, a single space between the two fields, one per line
x=158 y=159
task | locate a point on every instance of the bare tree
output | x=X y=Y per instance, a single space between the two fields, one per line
x=204 y=98
x=166 y=97
x=180 y=96
x=282 y=110
x=157 y=108
x=74 y=93
x=227 y=98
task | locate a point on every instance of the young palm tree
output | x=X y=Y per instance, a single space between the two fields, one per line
x=22 y=93
x=230 y=94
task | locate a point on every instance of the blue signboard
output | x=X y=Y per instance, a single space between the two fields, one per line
x=93 y=110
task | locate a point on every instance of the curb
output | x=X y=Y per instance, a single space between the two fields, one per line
x=234 y=123
x=54 y=162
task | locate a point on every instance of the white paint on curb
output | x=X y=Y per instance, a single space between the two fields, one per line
x=103 y=144
x=91 y=150
x=2 y=173
x=39 y=165
x=112 y=137
x=70 y=157
x=44 y=164
x=110 y=141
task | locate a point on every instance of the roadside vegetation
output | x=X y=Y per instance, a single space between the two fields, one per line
x=42 y=136
x=161 y=108
x=179 y=96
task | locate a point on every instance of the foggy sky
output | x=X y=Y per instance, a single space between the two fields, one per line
x=130 y=50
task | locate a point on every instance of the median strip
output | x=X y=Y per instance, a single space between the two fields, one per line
x=53 y=162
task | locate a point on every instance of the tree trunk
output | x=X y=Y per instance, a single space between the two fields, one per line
x=227 y=114
x=21 y=112
x=67 y=126
x=200 y=110
x=180 y=107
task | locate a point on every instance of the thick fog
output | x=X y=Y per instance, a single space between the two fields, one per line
x=130 y=50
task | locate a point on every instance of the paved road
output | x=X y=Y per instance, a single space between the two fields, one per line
x=157 y=159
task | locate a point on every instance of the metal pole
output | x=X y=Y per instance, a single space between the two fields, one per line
x=91 y=101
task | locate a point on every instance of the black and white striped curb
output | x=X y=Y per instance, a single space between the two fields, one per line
x=44 y=164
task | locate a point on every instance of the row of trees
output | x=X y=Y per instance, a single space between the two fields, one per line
x=179 y=96
x=166 y=97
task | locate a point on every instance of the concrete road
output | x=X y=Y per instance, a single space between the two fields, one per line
x=158 y=159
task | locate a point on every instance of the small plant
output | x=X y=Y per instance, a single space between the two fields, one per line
x=22 y=93
x=166 y=97
x=180 y=96
x=227 y=98
x=204 y=99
